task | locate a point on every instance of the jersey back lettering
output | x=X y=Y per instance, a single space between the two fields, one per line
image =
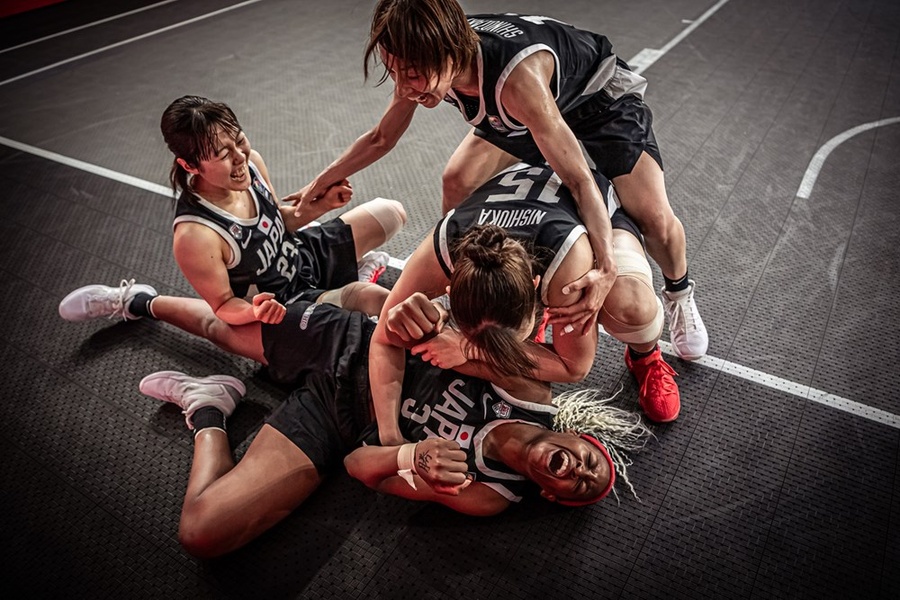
x=585 y=65
x=532 y=205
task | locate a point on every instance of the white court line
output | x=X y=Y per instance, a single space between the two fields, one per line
x=74 y=29
x=648 y=56
x=128 y=41
x=777 y=383
x=644 y=59
x=397 y=263
x=795 y=389
x=819 y=158
x=96 y=170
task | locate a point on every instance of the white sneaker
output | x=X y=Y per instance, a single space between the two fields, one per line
x=372 y=265
x=686 y=328
x=190 y=393
x=94 y=301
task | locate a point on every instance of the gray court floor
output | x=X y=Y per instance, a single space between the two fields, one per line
x=780 y=129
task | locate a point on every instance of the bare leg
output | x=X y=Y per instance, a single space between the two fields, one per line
x=196 y=317
x=473 y=162
x=227 y=506
x=633 y=314
x=643 y=194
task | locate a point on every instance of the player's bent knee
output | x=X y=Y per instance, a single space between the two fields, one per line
x=662 y=227
x=215 y=330
x=360 y=296
x=631 y=262
x=390 y=214
x=367 y=298
x=635 y=333
x=632 y=313
x=199 y=538
x=334 y=297
x=454 y=188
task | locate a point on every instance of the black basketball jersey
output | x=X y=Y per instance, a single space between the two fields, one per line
x=434 y=402
x=585 y=66
x=532 y=205
x=262 y=251
x=446 y=404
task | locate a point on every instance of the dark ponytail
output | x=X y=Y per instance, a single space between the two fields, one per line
x=492 y=296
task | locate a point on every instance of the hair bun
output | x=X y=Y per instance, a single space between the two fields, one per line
x=485 y=247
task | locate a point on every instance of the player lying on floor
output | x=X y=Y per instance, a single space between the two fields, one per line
x=473 y=446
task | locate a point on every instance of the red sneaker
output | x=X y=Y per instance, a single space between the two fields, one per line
x=658 y=395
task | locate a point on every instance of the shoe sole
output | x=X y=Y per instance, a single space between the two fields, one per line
x=661 y=421
x=219 y=379
x=687 y=358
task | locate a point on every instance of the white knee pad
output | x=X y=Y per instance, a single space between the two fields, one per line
x=335 y=297
x=631 y=263
x=645 y=333
x=389 y=214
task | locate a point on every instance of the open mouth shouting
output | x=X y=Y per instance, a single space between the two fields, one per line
x=560 y=463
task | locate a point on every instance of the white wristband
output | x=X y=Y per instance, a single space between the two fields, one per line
x=406 y=463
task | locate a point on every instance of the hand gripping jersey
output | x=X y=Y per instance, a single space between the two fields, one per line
x=585 y=68
x=532 y=205
x=446 y=404
x=262 y=251
x=330 y=412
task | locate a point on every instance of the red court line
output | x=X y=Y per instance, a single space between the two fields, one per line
x=12 y=7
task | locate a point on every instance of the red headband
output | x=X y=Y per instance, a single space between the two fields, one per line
x=612 y=475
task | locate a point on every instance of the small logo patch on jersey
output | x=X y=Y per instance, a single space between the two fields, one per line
x=235 y=231
x=304 y=320
x=265 y=224
x=502 y=409
x=497 y=124
x=260 y=188
x=464 y=436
